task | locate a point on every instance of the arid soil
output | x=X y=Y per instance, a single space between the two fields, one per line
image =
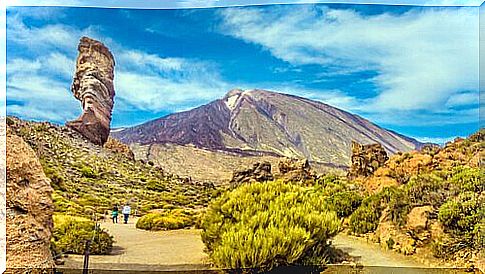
x=134 y=247
x=183 y=249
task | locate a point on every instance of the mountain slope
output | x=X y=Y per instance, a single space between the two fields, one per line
x=88 y=179
x=259 y=122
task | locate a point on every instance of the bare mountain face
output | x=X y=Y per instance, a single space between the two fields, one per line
x=263 y=123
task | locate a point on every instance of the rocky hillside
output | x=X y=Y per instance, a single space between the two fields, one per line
x=429 y=203
x=259 y=123
x=88 y=178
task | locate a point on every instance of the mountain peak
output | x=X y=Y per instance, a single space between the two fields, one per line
x=233 y=92
x=268 y=123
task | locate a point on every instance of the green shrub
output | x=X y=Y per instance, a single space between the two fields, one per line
x=462 y=218
x=390 y=243
x=263 y=225
x=462 y=214
x=344 y=203
x=166 y=220
x=71 y=233
x=88 y=172
x=57 y=181
x=366 y=218
x=156 y=185
x=331 y=184
x=427 y=189
x=469 y=179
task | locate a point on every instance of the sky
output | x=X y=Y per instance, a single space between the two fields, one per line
x=410 y=69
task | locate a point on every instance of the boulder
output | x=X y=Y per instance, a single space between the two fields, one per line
x=417 y=218
x=294 y=170
x=93 y=86
x=120 y=148
x=390 y=236
x=29 y=208
x=366 y=159
x=259 y=172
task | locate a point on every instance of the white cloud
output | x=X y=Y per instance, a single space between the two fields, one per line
x=156 y=93
x=40 y=84
x=435 y=140
x=39 y=88
x=463 y=99
x=224 y=3
x=39 y=96
x=423 y=57
x=150 y=82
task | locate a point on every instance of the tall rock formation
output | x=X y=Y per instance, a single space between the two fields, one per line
x=366 y=159
x=93 y=86
x=29 y=208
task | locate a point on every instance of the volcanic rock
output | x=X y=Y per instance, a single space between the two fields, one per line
x=259 y=172
x=261 y=122
x=366 y=159
x=417 y=219
x=29 y=208
x=294 y=170
x=93 y=86
x=118 y=147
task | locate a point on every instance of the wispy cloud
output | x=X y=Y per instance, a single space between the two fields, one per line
x=424 y=57
x=435 y=140
x=143 y=81
x=223 y=3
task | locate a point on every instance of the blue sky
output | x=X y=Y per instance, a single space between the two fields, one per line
x=410 y=69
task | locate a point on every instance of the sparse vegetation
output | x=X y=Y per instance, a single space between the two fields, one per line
x=89 y=179
x=448 y=181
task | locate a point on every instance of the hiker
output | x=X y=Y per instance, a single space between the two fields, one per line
x=114 y=214
x=126 y=212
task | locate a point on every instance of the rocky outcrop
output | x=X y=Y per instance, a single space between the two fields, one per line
x=93 y=86
x=259 y=172
x=366 y=159
x=120 y=148
x=29 y=208
x=391 y=237
x=294 y=170
x=417 y=219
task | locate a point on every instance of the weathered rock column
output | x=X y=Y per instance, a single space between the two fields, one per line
x=93 y=86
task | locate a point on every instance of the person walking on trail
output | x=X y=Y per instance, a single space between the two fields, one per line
x=126 y=212
x=114 y=214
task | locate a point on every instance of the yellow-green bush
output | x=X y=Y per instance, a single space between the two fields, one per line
x=71 y=233
x=166 y=220
x=344 y=203
x=366 y=218
x=88 y=172
x=263 y=225
x=469 y=179
x=462 y=217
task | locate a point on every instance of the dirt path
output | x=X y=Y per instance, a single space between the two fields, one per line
x=370 y=254
x=183 y=249
x=139 y=247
